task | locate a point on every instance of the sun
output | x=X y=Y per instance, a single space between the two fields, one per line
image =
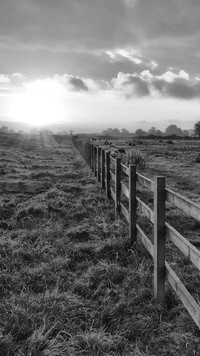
x=41 y=103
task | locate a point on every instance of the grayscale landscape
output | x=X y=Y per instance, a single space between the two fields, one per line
x=99 y=178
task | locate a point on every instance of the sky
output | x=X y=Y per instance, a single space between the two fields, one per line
x=94 y=64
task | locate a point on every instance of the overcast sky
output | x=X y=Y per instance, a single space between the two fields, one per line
x=118 y=63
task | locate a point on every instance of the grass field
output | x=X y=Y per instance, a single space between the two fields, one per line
x=70 y=283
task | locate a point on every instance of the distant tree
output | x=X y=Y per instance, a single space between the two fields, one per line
x=159 y=133
x=111 y=132
x=116 y=132
x=197 y=129
x=4 y=128
x=125 y=133
x=186 y=132
x=140 y=132
x=173 y=130
x=152 y=131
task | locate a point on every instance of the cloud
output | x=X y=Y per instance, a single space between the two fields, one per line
x=169 y=84
x=170 y=76
x=4 y=79
x=166 y=85
x=125 y=53
x=78 y=84
x=44 y=37
x=131 y=85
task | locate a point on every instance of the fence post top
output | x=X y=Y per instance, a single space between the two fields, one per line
x=132 y=166
x=160 y=178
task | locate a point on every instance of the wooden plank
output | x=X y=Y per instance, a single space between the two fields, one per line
x=117 y=184
x=107 y=168
x=159 y=240
x=192 y=307
x=103 y=169
x=145 y=209
x=112 y=176
x=125 y=212
x=125 y=169
x=189 y=251
x=112 y=194
x=145 y=240
x=112 y=159
x=132 y=203
x=146 y=182
x=125 y=190
x=184 y=204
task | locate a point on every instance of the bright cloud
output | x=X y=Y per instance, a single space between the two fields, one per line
x=127 y=85
x=126 y=53
x=4 y=79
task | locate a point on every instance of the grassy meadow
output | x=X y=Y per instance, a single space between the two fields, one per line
x=70 y=282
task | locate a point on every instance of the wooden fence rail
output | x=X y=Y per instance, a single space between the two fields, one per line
x=100 y=161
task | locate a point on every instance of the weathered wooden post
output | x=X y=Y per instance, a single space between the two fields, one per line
x=159 y=240
x=132 y=203
x=117 y=185
x=108 y=174
x=92 y=157
x=95 y=161
x=99 y=164
x=89 y=154
x=103 y=169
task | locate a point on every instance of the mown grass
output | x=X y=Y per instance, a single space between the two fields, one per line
x=70 y=282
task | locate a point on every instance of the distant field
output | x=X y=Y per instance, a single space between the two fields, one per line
x=70 y=283
x=177 y=160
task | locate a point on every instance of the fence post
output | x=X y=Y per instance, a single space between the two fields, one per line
x=91 y=157
x=103 y=169
x=132 y=203
x=87 y=153
x=99 y=164
x=117 y=184
x=95 y=161
x=90 y=150
x=108 y=174
x=159 y=240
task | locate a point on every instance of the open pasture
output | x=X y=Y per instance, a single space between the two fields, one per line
x=70 y=282
x=177 y=160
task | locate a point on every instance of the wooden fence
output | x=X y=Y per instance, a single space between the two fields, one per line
x=100 y=162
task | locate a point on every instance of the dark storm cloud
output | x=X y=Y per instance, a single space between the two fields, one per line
x=169 y=84
x=78 y=84
x=56 y=36
x=141 y=88
x=130 y=85
x=178 y=89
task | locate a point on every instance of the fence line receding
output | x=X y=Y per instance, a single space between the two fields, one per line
x=100 y=162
